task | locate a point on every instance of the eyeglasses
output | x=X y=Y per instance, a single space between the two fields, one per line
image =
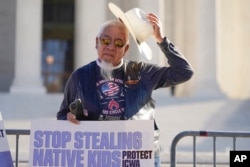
x=107 y=41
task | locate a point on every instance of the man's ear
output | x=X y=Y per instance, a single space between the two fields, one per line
x=96 y=42
x=126 y=48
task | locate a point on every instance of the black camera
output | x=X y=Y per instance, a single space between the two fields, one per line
x=76 y=108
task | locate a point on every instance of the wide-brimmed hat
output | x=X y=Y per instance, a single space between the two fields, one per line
x=138 y=26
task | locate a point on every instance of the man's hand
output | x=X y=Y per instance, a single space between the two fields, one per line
x=157 y=27
x=72 y=118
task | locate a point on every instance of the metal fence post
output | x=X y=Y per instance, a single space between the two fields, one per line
x=17 y=133
x=194 y=134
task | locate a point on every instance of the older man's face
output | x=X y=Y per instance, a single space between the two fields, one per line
x=112 y=45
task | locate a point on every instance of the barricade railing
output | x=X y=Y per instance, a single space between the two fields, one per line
x=177 y=138
x=213 y=134
x=17 y=133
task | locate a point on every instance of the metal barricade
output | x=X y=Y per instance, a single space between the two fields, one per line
x=213 y=134
x=178 y=137
x=17 y=133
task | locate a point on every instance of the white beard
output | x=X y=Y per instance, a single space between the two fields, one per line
x=106 y=69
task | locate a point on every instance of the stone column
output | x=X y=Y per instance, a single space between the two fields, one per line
x=233 y=47
x=88 y=19
x=27 y=77
x=207 y=49
x=180 y=27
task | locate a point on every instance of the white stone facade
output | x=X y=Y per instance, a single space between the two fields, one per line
x=212 y=34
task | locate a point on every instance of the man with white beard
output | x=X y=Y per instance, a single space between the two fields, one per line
x=112 y=88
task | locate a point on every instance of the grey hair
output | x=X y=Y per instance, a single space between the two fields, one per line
x=111 y=23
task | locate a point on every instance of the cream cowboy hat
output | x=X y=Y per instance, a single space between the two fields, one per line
x=138 y=26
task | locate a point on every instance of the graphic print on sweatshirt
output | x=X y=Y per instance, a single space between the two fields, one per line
x=111 y=96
